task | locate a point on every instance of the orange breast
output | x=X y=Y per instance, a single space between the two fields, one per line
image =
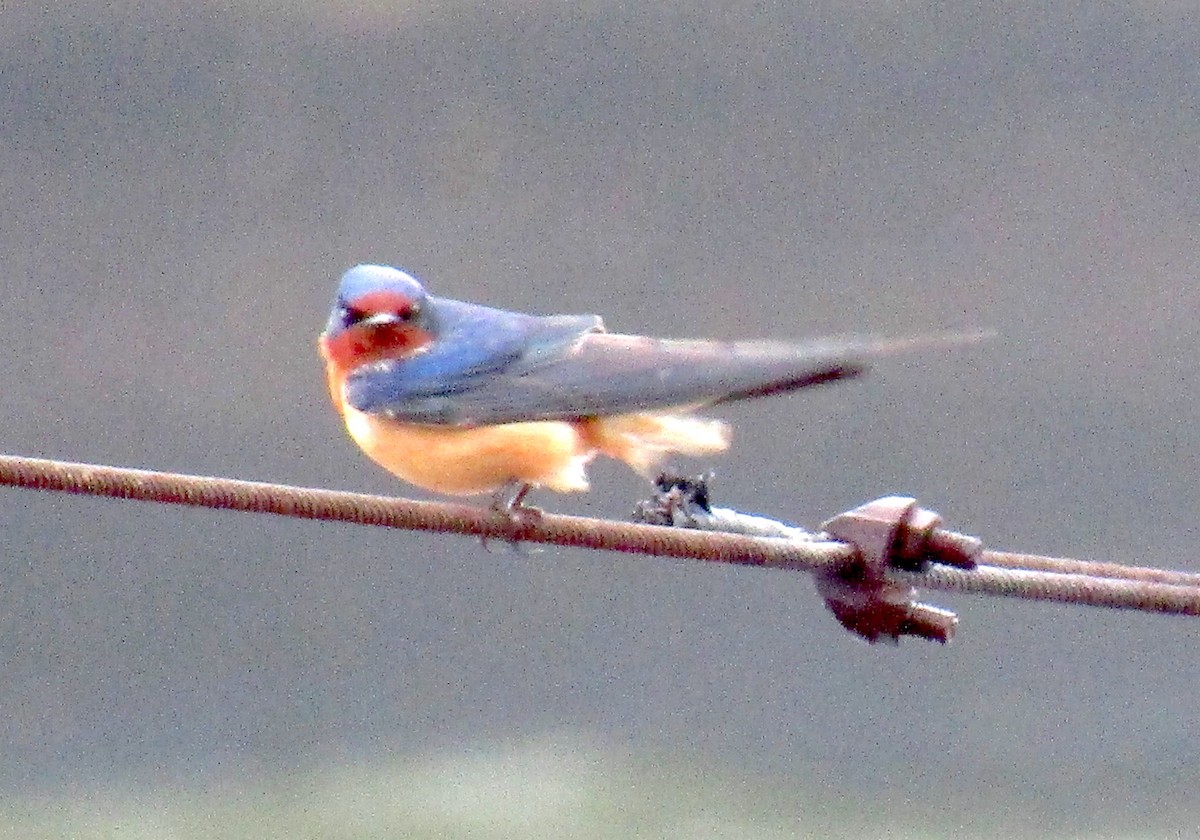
x=553 y=454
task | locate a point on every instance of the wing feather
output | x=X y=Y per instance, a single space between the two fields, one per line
x=604 y=374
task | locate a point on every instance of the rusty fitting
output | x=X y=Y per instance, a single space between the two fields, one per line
x=883 y=609
x=893 y=533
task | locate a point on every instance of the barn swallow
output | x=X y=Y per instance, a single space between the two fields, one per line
x=461 y=399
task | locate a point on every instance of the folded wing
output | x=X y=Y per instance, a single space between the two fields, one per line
x=597 y=373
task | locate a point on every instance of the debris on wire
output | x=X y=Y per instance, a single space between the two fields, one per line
x=888 y=534
x=874 y=597
x=867 y=562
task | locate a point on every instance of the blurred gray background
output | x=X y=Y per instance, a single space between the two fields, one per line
x=180 y=190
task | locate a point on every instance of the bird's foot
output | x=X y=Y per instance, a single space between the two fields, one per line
x=509 y=502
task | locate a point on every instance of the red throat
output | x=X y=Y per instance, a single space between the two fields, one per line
x=359 y=346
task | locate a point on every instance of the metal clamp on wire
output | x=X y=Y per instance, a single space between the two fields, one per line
x=892 y=533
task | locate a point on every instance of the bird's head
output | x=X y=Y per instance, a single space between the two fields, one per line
x=380 y=313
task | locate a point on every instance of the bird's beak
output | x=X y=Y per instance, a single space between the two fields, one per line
x=380 y=319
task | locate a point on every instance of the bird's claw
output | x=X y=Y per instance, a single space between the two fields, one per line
x=510 y=505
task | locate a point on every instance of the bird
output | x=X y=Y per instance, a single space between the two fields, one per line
x=462 y=399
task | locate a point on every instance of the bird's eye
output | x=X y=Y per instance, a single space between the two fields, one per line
x=352 y=315
x=355 y=314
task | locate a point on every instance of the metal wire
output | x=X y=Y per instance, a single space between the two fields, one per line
x=443 y=517
x=1013 y=575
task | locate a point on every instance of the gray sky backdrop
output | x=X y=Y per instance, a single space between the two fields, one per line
x=181 y=189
